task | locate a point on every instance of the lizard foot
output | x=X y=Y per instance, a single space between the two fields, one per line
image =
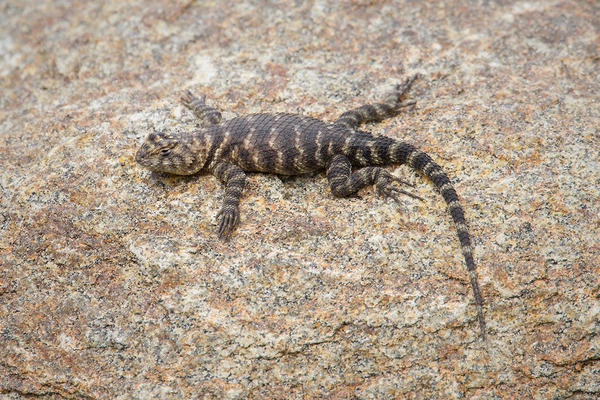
x=190 y=101
x=403 y=87
x=384 y=187
x=394 y=98
x=228 y=218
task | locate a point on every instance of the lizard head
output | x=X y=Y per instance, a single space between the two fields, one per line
x=163 y=152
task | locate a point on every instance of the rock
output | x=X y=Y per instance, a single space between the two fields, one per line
x=114 y=286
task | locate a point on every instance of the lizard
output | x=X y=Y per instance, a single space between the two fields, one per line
x=293 y=144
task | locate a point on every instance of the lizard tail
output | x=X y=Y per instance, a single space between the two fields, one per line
x=405 y=153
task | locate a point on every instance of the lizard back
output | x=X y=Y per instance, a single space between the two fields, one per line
x=291 y=144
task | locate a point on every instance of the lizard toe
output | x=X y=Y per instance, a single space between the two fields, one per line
x=384 y=188
x=228 y=219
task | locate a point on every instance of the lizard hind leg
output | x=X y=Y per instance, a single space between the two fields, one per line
x=344 y=182
x=207 y=115
x=389 y=107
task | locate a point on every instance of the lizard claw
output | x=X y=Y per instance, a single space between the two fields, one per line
x=228 y=219
x=403 y=87
x=394 y=98
x=408 y=103
x=188 y=99
x=395 y=193
x=394 y=178
x=384 y=188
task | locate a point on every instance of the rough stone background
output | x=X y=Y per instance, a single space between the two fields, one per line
x=112 y=282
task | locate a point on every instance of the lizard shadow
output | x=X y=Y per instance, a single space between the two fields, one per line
x=167 y=181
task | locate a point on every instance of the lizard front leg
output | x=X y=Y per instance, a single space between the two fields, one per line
x=207 y=115
x=234 y=179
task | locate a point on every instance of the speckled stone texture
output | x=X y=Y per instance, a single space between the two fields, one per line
x=112 y=282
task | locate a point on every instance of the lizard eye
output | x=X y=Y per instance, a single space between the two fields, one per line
x=165 y=152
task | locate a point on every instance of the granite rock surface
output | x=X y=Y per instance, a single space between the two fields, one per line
x=114 y=286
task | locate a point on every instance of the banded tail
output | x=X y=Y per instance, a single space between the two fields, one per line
x=406 y=153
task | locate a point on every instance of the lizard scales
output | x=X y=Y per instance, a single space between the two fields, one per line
x=291 y=144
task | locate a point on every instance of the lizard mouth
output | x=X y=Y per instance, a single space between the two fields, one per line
x=140 y=158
